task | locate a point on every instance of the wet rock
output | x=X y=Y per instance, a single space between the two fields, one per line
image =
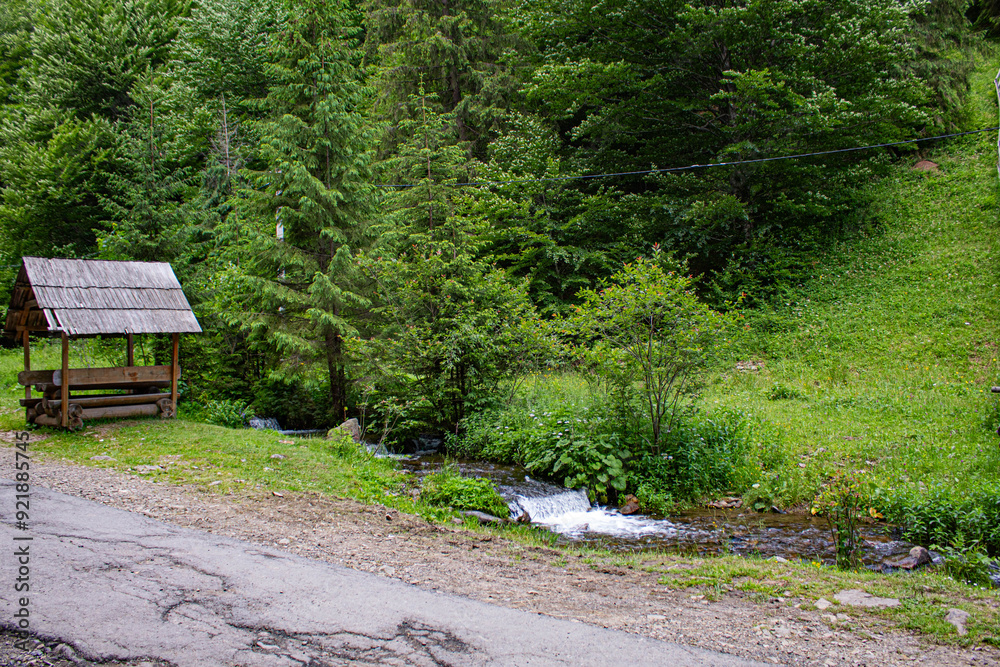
x=957 y=617
x=731 y=502
x=631 y=505
x=424 y=445
x=777 y=510
x=351 y=427
x=483 y=517
x=918 y=557
x=859 y=598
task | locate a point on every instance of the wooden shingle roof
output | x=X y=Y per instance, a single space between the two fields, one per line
x=86 y=297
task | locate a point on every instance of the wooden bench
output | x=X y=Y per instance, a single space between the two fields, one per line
x=144 y=399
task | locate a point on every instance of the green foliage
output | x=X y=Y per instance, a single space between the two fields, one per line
x=744 y=80
x=780 y=392
x=454 y=329
x=946 y=514
x=966 y=562
x=448 y=488
x=842 y=503
x=298 y=403
x=226 y=412
x=648 y=328
x=288 y=277
x=706 y=454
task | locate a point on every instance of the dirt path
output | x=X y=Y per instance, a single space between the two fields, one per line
x=498 y=570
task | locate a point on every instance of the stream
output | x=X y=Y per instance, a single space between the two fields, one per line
x=703 y=531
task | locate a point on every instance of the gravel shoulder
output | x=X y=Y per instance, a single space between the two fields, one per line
x=491 y=568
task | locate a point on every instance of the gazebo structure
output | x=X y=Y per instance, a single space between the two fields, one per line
x=77 y=298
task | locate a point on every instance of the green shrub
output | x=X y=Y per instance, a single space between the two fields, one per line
x=228 y=413
x=651 y=335
x=449 y=489
x=966 y=562
x=780 y=392
x=569 y=444
x=942 y=514
x=705 y=454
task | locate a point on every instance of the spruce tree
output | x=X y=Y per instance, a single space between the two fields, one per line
x=296 y=229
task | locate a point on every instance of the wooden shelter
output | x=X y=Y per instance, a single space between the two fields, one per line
x=75 y=298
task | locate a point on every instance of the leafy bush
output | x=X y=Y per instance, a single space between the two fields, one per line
x=966 y=562
x=228 y=413
x=449 y=489
x=780 y=392
x=707 y=453
x=649 y=330
x=568 y=443
x=943 y=513
x=842 y=503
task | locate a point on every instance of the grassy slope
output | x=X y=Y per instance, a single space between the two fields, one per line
x=890 y=350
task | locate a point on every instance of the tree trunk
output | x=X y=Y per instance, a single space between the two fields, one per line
x=338 y=377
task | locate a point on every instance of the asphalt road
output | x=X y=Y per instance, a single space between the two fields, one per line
x=120 y=586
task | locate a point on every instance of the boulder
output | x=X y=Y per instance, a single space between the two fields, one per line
x=730 y=502
x=631 y=505
x=957 y=617
x=350 y=427
x=918 y=558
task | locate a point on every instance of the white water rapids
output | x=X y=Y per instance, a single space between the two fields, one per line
x=570 y=513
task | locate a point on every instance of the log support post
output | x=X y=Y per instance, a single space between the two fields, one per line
x=173 y=370
x=27 y=363
x=64 y=385
x=130 y=350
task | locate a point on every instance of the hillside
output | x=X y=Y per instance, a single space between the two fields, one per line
x=884 y=360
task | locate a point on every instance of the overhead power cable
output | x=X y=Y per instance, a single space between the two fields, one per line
x=690 y=167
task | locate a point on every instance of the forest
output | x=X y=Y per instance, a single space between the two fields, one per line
x=405 y=210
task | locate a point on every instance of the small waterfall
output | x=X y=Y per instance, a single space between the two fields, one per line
x=547 y=507
x=262 y=423
x=271 y=424
x=570 y=513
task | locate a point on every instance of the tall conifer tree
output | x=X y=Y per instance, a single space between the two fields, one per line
x=301 y=222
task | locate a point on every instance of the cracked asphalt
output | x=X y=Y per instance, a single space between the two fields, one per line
x=118 y=586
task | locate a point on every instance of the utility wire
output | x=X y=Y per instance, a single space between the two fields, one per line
x=698 y=166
